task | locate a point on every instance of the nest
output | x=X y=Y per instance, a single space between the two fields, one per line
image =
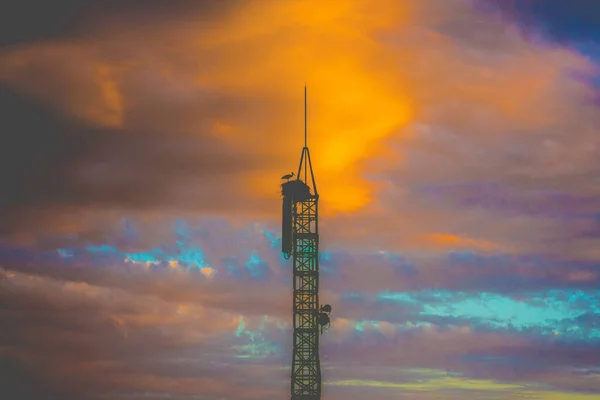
x=297 y=190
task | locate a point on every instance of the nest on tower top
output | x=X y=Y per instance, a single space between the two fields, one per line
x=296 y=189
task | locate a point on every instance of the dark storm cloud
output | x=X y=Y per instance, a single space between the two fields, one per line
x=55 y=164
x=30 y=20
x=33 y=21
x=17 y=382
x=47 y=163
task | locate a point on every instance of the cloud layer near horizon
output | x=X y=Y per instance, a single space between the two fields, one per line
x=455 y=158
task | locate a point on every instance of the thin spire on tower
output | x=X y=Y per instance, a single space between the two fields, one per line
x=305 y=115
x=305 y=144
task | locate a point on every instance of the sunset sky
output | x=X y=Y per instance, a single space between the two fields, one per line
x=456 y=150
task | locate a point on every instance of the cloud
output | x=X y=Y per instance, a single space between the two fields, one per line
x=92 y=333
x=91 y=330
x=50 y=164
x=113 y=86
x=430 y=94
x=189 y=261
x=456 y=163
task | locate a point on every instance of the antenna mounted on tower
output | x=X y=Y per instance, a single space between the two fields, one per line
x=305 y=156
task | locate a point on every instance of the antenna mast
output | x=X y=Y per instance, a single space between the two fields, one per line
x=305 y=145
x=305 y=116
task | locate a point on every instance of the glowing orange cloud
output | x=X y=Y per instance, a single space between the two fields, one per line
x=356 y=95
x=370 y=71
x=263 y=52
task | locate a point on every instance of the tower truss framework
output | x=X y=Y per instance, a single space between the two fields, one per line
x=300 y=240
x=306 y=368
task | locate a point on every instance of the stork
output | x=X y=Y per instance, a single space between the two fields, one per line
x=288 y=176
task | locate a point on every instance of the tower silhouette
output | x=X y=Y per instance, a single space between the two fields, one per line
x=300 y=241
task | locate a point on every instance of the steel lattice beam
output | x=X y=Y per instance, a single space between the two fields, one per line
x=306 y=369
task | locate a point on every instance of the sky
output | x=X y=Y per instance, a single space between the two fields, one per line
x=454 y=144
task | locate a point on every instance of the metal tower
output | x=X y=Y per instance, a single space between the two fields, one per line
x=300 y=240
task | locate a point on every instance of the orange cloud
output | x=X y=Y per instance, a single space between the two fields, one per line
x=74 y=77
x=450 y=241
x=370 y=71
x=263 y=52
x=111 y=113
x=357 y=96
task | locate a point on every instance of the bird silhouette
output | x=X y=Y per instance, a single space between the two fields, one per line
x=288 y=176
